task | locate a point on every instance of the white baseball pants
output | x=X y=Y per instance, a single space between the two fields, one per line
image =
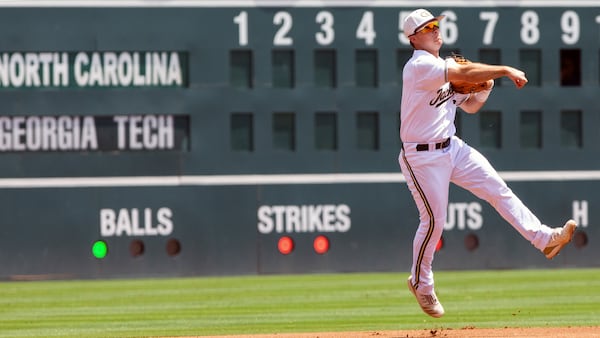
x=428 y=175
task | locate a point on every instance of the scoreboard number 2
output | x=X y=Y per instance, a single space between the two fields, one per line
x=284 y=20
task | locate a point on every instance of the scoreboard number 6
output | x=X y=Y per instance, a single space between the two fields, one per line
x=449 y=28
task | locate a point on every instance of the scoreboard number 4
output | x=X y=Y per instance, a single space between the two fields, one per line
x=529 y=32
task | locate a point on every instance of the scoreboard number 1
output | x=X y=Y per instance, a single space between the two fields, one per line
x=242 y=21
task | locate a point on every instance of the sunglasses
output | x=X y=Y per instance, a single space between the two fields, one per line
x=428 y=27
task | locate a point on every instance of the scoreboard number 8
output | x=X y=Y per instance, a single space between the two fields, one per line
x=530 y=32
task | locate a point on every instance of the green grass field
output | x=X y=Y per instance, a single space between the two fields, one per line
x=297 y=303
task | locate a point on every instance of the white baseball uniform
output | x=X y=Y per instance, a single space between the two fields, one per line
x=432 y=157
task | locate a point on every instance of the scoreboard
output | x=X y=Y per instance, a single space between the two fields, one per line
x=191 y=137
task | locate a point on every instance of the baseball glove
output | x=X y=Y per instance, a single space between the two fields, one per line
x=465 y=87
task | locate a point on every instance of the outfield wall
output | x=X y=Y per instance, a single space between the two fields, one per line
x=116 y=128
x=235 y=229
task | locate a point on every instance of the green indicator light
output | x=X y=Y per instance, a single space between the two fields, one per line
x=99 y=249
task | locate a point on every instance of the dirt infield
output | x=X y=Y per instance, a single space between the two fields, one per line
x=468 y=332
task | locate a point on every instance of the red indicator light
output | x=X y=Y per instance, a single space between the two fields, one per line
x=321 y=244
x=285 y=245
x=439 y=244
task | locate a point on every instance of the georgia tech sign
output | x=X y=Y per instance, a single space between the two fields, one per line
x=93 y=133
x=93 y=69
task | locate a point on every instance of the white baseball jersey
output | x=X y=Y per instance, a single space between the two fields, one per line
x=428 y=103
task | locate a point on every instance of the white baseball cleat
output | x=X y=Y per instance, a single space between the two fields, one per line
x=428 y=302
x=560 y=237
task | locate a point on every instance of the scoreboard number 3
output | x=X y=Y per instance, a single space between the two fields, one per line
x=327 y=34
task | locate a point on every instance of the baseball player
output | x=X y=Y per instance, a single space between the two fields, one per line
x=432 y=156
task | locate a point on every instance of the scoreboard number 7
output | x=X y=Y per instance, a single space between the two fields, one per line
x=488 y=33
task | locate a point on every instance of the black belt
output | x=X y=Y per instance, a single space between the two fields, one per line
x=440 y=145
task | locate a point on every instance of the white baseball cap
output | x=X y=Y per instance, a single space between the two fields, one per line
x=417 y=19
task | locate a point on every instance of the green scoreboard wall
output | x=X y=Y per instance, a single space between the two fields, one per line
x=232 y=137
